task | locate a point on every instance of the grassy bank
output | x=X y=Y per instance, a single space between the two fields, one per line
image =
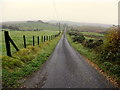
x=109 y=68
x=25 y=62
x=82 y=50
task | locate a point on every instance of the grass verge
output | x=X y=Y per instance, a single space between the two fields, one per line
x=25 y=62
x=82 y=50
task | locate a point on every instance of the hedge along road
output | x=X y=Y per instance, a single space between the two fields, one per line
x=66 y=68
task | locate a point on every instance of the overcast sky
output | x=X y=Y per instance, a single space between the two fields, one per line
x=91 y=11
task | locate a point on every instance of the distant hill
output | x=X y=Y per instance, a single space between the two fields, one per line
x=37 y=25
x=82 y=23
x=92 y=29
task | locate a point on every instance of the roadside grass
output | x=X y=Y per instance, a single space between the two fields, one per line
x=25 y=62
x=17 y=37
x=108 y=67
x=82 y=50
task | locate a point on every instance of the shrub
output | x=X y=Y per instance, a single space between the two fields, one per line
x=99 y=42
x=111 y=48
x=92 y=43
x=107 y=65
x=78 y=38
x=88 y=43
x=115 y=70
x=73 y=33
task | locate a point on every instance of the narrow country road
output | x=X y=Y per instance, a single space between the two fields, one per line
x=67 y=69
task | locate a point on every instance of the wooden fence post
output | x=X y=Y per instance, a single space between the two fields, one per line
x=13 y=44
x=24 y=41
x=44 y=38
x=49 y=37
x=53 y=36
x=41 y=38
x=33 y=41
x=7 y=43
x=38 y=40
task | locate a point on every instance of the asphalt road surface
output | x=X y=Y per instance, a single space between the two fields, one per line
x=66 y=68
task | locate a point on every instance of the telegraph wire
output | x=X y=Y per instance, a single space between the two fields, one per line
x=55 y=8
x=56 y=14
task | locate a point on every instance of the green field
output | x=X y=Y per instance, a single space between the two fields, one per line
x=17 y=37
x=92 y=35
x=34 y=26
x=90 y=32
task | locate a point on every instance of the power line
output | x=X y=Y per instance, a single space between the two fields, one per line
x=56 y=14
x=55 y=8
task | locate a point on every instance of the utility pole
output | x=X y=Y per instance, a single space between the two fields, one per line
x=59 y=27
